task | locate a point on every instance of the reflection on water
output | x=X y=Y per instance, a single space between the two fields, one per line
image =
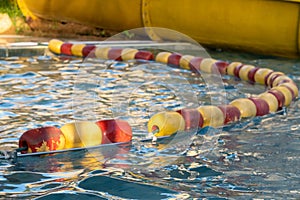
x=257 y=158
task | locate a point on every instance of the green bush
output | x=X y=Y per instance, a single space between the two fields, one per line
x=10 y=7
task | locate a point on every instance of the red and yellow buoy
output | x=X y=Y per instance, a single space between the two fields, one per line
x=282 y=91
x=75 y=135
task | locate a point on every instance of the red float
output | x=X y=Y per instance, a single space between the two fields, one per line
x=231 y=113
x=251 y=74
x=88 y=50
x=115 y=130
x=192 y=117
x=144 y=55
x=115 y=54
x=42 y=139
x=262 y=107
x=220 y=66
x=174 y=59
x=195 y=64
x=66 y=48
x=279 y=96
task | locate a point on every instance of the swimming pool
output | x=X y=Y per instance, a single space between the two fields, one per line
x=257 y=158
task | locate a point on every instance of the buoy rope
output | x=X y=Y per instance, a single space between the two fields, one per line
x=280 y=85
x=281 y=89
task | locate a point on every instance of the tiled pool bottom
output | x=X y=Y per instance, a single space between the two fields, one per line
x=257 y=158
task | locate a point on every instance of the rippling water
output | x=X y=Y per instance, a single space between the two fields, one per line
x=257 y=158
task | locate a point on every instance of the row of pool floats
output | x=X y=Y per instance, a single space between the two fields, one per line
x=281 y=91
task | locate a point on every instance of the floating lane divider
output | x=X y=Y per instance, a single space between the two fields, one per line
x=75 y=135
x=281 y=92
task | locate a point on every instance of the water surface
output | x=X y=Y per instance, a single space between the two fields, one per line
x=257 y=158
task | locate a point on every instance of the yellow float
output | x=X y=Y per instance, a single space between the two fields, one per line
x=81 y=134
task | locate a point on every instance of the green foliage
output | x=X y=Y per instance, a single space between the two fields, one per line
x=10 y=7
x=128 y=34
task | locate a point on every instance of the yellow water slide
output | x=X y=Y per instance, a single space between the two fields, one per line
x=261 y=26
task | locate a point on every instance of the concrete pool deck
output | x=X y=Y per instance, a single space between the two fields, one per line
x=23 y=46
x=16 y=45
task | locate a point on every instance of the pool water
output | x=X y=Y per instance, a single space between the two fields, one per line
x=256 y=158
